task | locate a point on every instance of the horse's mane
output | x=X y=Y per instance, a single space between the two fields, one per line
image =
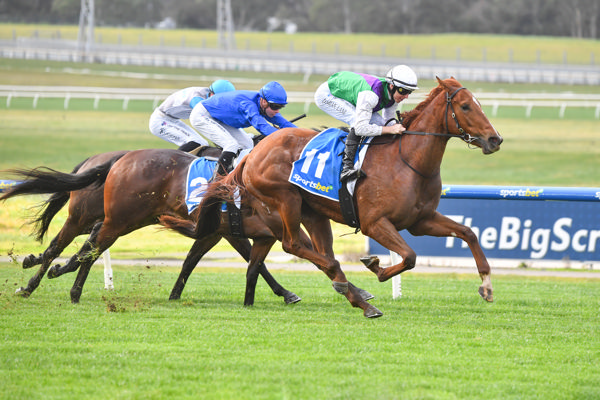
x=409 y=116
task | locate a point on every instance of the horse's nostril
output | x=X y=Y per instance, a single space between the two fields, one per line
x=496 y=140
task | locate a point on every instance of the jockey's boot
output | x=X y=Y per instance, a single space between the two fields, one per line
x=225 y=163
x=189 y=146
x=348 y=171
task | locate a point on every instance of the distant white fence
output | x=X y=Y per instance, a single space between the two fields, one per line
x=528 y=101
x=290 y=62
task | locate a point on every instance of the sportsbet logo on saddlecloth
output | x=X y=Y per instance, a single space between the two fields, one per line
x=313 y=185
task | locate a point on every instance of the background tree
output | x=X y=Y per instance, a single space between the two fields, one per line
x=577 y=18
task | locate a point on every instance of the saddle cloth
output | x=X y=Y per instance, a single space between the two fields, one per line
x=200 y=172
x=318 y=169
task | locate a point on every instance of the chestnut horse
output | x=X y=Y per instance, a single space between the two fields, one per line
x=401 y=190
x=85 y=190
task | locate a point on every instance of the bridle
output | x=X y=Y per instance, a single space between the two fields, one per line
x=463 y=135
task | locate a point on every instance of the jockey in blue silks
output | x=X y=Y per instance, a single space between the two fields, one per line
x=166 y=120
x=221 y=119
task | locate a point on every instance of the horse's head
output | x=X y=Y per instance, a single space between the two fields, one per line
x=465 y=117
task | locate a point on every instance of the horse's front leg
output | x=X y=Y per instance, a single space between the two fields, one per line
x=255 y=255
x=258 y=253
x=442 y=226
x=384 y=232
x=197 y=251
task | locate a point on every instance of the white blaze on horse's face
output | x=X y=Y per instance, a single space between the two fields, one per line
x=492 y=145
x=479 y=104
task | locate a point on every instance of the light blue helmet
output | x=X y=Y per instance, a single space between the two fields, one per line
x=221 y=86
x=273 y=92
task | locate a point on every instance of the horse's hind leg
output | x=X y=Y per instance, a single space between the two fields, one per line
x=320 y=231
x=256 y=255
x=75 y=261
x=31 y=261
x=57 y=245
x=198 y=250
x=324 y=244
x=105 y=239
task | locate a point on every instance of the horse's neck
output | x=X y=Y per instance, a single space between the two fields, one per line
x=425 y=153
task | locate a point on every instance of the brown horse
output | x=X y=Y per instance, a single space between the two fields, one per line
x=401 y=190
x=86 y=208
x=86 y=211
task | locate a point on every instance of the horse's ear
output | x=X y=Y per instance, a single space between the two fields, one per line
x=442 y=83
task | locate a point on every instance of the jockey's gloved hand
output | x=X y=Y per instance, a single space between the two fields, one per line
x=258 y=138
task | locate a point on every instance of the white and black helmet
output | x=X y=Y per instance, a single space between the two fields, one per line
x=402 y=76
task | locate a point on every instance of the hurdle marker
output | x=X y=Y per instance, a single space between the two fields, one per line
x=396 y=280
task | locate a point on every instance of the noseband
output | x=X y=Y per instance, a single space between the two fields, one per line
x=464 y=136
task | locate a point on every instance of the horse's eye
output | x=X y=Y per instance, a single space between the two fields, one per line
x=465 y=107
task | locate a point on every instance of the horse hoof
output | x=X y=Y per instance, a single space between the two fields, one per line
x=174 y=297
x=29 y=261
x=366 y=296
x=52 y=272
x=22 y=292
x=372 y=312
x=369 y=261
x=291 y=298
x=486 y=293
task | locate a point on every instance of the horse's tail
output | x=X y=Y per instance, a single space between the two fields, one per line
x=49 y=208
x=208 y=217
x=184 y=227
x=45 y=180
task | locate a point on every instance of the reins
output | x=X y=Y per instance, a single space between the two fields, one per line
x=464 y=136
x=449 y=107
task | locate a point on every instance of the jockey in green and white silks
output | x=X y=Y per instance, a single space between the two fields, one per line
x=356 y=100
x=166 y=120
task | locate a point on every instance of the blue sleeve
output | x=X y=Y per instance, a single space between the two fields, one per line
x=282 y=122
x=195 y=100
x=255 y=119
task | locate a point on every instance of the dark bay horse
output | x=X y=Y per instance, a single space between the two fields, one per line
x=401 y=190
x=86 y=208
x=85 y=187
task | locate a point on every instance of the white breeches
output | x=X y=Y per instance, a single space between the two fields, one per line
x=340 y=109
x=173 y=130
x=225 y=136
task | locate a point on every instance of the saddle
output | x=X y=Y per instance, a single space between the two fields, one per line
x=347 y=207
x=347 y=202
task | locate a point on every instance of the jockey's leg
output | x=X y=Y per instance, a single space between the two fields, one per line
x=225 y=163
x=348 y=171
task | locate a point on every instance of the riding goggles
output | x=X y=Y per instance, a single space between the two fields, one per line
x=275 y=106
x=402 y=91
